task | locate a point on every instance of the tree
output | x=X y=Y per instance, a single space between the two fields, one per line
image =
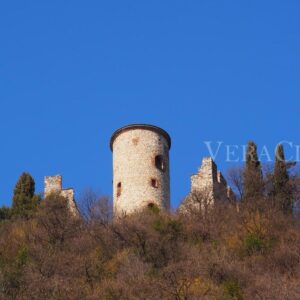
x=281 y=191
x=235 y=176
x=24 y=199
x=253 y=181
x=94 y=207
x=5 y=213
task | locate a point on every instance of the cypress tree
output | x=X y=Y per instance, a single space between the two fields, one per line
x=24 y=199
x=253 y=181
x=281 y=190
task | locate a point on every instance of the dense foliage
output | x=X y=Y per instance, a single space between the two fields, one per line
x=24 y=199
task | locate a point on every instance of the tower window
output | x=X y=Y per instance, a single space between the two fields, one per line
x=154 y=183
x=160 y=163
x=119 y=189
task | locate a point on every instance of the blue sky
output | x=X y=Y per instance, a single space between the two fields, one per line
x=71 y=72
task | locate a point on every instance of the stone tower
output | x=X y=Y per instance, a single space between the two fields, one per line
x=141 y=175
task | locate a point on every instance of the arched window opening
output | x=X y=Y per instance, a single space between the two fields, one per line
x=160 y=163
x=119 y=189
x=151 y=205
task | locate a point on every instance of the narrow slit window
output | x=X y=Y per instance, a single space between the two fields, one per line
x=160 y=163
x=154 y=183
x=119 y=189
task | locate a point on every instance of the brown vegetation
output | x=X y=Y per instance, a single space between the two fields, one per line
x=219 y=254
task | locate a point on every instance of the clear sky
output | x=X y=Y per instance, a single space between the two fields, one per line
x=71 y=72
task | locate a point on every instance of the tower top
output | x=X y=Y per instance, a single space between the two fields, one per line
x=140 y=126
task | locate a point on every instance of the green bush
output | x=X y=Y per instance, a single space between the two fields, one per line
x=232 y=290
x=253 y=243
x=153 y=208
x=172 y=227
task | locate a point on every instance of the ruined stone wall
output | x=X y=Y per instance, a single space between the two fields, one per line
x=207 y=187
x=53 y=184
x=220 y=188
x=69 y=194
x=206 y=176
x=140 y=170
x=204 y=181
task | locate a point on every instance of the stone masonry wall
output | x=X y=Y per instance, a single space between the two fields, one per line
x=69 y=194
x=137 y=181
x=53 y=184
x=207 y=186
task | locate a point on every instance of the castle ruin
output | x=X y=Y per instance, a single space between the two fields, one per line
x=53 y=184
x=141 y=175
x=208 y=186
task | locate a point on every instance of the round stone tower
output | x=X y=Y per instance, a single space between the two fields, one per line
x=141 y=175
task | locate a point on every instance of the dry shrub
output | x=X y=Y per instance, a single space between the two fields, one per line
x=219 y=253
